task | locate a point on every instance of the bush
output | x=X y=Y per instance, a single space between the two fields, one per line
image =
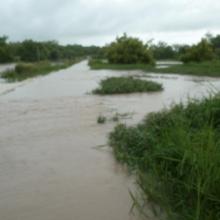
x=120 y=85
x=128 y=50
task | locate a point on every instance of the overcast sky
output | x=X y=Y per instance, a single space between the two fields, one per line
x=100 y=21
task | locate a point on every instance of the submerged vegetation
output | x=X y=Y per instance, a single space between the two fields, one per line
x=177 y=155
x=121 y=85
x=97 y=64
x=23 y=71
x=101 y=119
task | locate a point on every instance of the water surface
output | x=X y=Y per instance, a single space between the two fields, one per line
x=52 y=161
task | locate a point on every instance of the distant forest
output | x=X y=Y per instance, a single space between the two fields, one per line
x=35 y=51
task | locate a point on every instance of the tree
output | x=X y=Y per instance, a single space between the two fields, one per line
x=203 y=51
x=128 y=50
x=162 y=51
x=215 y=41
x=5 y=52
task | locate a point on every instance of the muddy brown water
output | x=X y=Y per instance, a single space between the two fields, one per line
x=54 y=162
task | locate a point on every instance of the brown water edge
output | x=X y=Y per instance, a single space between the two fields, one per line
x=51 y=165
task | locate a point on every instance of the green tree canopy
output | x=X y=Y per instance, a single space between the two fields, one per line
x=203 y=51
x=128 y=50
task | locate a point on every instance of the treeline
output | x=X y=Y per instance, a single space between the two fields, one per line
x=130 y=50
x=124 y=50
x=207 y=49
x=34 y=51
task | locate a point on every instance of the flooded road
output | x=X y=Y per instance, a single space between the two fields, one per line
x=53 y=164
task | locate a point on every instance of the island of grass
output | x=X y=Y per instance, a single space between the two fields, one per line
x=177 y=155
x=24 y=71
x=123 y=85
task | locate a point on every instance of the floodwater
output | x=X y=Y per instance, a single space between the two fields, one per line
x=54 y=162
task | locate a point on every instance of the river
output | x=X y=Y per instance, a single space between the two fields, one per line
x=54 y=162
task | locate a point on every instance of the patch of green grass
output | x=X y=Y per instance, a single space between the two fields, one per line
x=101 y=119
x=177 y=155
x=209 y=68
x=122 y=85
x=99 y=64
x=24 y=71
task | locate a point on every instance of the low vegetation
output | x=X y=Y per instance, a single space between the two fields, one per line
x=101 y=119
x=177 y=155
x=23 y=71
x=121 y=85
x=203 y=51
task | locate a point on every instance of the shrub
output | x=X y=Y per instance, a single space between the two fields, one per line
x=101 y=119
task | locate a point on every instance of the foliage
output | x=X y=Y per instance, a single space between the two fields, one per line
x=163 y=51
x=176 y=153
x=215 y=41
x=120 y=85
x=35 y=51
x=203 y=51
x=128 y=50
x=5 y=53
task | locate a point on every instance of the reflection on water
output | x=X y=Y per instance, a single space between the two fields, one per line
x=52 y=166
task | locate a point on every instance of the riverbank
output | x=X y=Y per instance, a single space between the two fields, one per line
x=211 y=68
x=24 y=71
x=176 y=153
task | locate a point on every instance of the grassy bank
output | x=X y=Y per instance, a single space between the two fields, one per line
x=99 y=65
x=23 y=71
x=177 y=155
x=122 y=85
x=210 y=68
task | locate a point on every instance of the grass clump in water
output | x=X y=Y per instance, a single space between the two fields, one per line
x=101 y=119
x=121 y=85
x=177 y=155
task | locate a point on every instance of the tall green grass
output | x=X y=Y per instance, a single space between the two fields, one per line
x=177 y=155
x=121 y=85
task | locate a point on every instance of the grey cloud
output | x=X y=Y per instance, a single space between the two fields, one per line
x=88 y=22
